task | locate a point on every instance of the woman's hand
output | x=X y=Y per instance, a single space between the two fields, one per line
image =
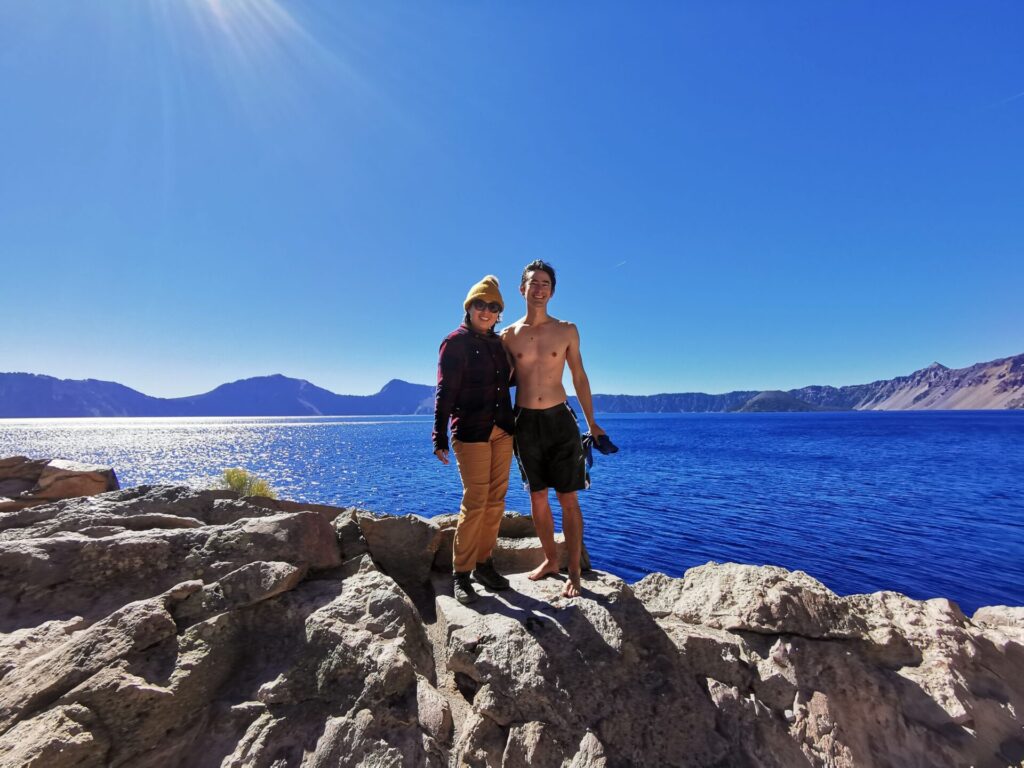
x=442 y=455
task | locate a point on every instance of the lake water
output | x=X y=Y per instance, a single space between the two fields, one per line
x=928 y=504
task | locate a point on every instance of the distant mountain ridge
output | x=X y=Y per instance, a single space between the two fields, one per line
x=28 y=395
x=995 y=385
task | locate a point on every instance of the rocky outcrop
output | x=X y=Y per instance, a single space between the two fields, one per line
x=161 y=626
x=880 y=679
x=26 y=482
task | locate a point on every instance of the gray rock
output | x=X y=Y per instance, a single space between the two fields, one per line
x=323 y=672
x=165 y=626
x=122 y=508
x=517 y=549
x=43 y=680
x=1000 y=617
x=352 y=685
x=767 y=600
x=516 y=526
x=22 y=646
x=241 y=588
x=350 y=536
x=326 y=511
x=63 y=576
x=518 y=555
x=61 y=737
x=404 y=547
x=599 y=665
x=863 y=680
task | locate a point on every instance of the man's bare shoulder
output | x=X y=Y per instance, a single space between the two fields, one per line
x=566 y=328
x=555 y=326
x=512 y=329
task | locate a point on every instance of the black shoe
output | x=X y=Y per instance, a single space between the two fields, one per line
x=463 y=589
x=489 y=577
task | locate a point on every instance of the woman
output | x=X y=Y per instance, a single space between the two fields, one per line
x=473 y=375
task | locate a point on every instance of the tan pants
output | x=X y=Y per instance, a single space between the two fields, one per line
x=484 y=469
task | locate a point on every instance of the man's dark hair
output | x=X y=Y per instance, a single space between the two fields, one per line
x=538 y=266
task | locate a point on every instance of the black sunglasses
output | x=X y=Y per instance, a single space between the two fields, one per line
x=480 y=305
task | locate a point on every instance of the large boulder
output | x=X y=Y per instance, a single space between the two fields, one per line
x=768 y=600
x=62 y=479
x=802 y=676
x=27 y=482
x=404 y=547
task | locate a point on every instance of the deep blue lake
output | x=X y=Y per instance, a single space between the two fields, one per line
x=928 y=504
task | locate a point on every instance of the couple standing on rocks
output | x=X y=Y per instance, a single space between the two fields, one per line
x=474 y=372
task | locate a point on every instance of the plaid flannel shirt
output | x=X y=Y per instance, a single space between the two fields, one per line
x=473 y=379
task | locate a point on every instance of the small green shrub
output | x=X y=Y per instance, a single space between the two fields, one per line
x=245 y=484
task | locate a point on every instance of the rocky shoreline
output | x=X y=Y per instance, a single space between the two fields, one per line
x=163 y=625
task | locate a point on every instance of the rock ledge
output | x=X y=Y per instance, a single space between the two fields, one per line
x=164 y=625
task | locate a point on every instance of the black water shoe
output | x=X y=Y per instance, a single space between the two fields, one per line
x=602 y=443
x=486 y=574
x=463 y=589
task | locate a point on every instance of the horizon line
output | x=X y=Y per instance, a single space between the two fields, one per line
x=403 y=381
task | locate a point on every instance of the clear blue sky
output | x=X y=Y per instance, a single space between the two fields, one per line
x=737 y=195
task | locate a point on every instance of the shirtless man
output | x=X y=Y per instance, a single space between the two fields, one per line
x=547 y=440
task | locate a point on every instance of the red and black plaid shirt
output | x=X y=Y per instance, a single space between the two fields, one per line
x=473 y=377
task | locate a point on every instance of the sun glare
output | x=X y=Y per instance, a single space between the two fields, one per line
x=261 y=54
x=250 y=27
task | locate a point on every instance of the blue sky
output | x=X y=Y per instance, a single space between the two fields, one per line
x=736 y=195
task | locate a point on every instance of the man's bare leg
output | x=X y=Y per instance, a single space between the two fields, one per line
x=572 y=526
x=544 y=522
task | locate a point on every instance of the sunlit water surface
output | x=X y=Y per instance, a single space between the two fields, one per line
x=929 y=504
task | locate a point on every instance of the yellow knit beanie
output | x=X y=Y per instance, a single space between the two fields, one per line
x=486 y=289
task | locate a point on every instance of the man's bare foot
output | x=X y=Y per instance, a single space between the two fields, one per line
x=542 y=571
x=572 y=586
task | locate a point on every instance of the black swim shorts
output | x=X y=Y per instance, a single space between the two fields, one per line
x=549 y=449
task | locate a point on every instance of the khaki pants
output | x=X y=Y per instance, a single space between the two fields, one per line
x=484 y=469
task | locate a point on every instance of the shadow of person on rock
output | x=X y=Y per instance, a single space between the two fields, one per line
x=602 y=665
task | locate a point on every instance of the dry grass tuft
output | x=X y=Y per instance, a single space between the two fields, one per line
x=245 y=484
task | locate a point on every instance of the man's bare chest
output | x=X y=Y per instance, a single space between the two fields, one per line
x=538 y=346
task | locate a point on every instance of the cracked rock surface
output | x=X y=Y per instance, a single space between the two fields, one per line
x=168 y=626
